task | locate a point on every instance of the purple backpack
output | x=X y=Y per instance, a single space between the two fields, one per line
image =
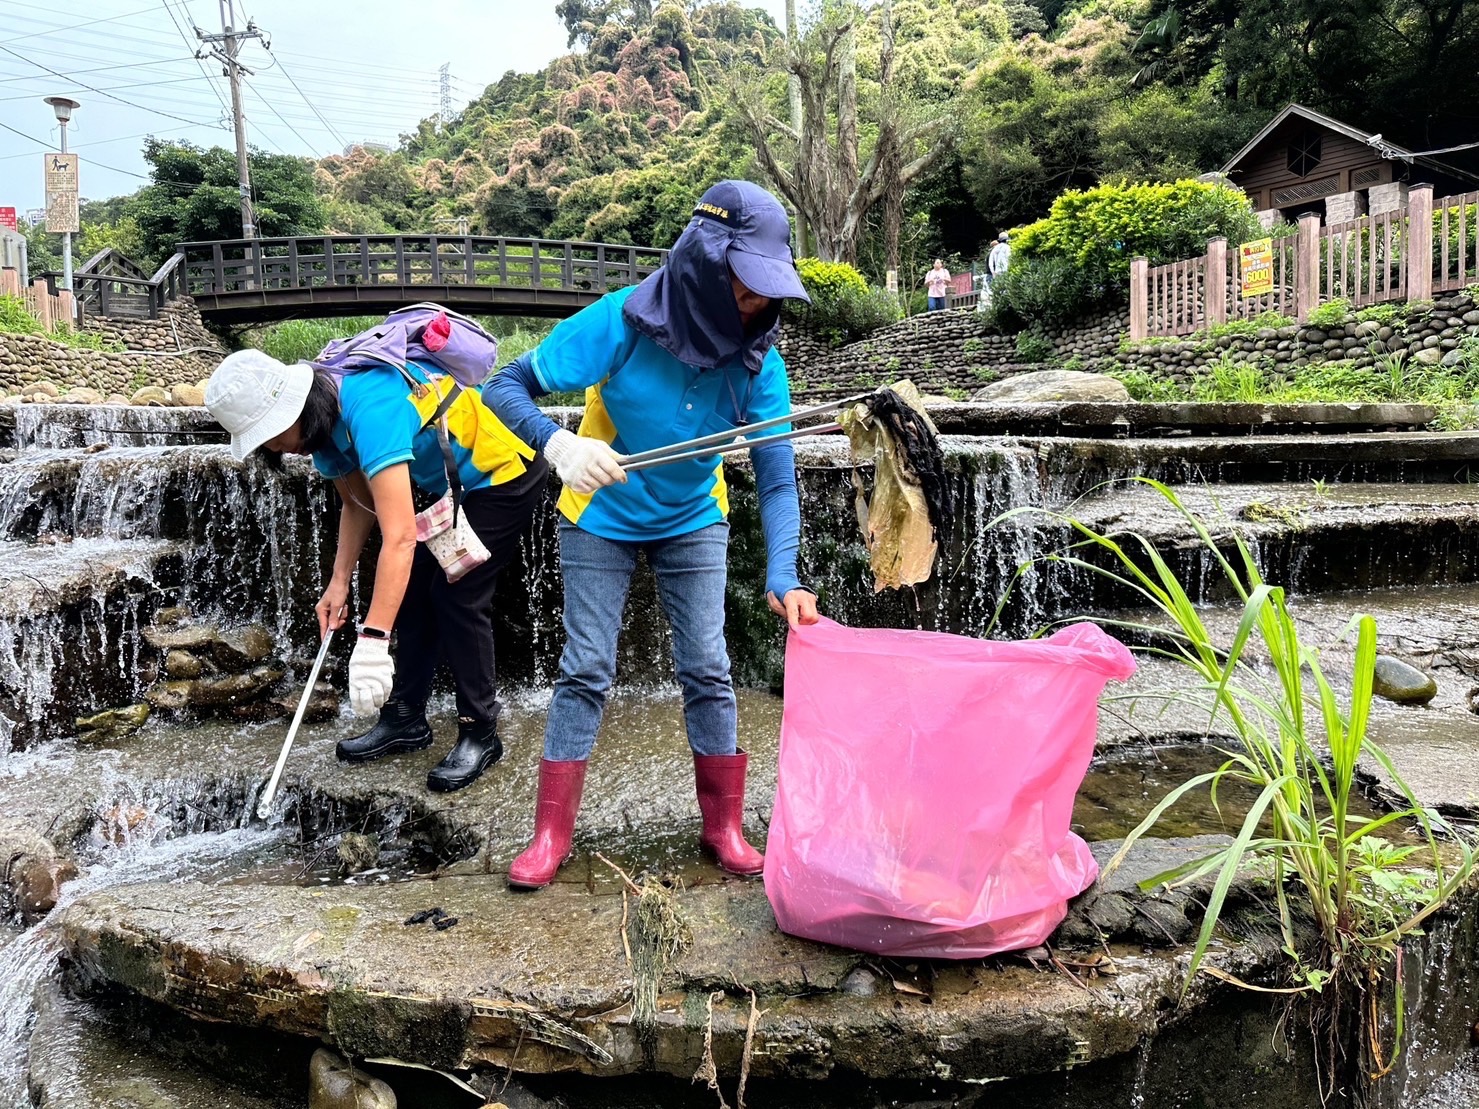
x=417 y=333
x=421 y=333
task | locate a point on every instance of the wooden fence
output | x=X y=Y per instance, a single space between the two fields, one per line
x=1410 y=253
x=51 y=309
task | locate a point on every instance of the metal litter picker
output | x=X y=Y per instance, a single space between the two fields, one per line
x=264 y=805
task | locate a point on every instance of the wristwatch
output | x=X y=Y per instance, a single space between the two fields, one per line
x=367 y=632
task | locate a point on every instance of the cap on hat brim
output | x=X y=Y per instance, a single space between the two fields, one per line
x=285 y=410
x=770 y=277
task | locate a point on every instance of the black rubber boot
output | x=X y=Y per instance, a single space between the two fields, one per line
x=478 y=747
x=400 y=728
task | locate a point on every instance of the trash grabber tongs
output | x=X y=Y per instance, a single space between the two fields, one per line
x=264 y=805
x=722 y=442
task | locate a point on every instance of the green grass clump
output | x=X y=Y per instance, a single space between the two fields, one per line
x=1346 y=892
x=1330 y=314
x=16 y=319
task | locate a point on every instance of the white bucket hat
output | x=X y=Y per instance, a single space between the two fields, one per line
x=255 y=397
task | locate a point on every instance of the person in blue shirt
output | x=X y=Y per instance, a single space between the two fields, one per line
x=371 y=432
x=688 y=352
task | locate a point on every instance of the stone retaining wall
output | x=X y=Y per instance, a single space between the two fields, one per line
x=1429 y=334
x=173 y=350
x=948 y=353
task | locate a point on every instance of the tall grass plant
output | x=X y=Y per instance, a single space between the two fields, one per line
x=1363 y=891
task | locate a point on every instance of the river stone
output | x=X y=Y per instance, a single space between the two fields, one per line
x=1053 y=385
x=241 y=647
x=81 y=395
x=44 y=386
x=1407 y=685
x=335 y=1084
x=150 y=394
x=36 y=882
x=111 y=724
x=186 y=396
x=171 y=615
x=1429 y=356
x=116 y=398
x=233 y=689
x=183 y=664
x=195 y=637
x=169 y=696
x=323 y=706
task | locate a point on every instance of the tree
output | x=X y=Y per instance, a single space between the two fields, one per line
x=821 y=168
x=193 y=197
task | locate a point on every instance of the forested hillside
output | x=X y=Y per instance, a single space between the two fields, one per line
x=925 y=126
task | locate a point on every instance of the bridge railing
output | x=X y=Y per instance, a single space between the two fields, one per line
x=326 y=261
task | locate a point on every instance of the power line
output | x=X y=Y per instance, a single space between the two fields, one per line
x=136 y=85
x=109 y=95
x=342 y=140
x=199 y=64
x=57 y=29
x=100 y=69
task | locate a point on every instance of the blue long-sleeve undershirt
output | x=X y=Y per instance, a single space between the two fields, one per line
x=510 y=394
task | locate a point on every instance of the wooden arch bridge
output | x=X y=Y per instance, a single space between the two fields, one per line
x=248 y=281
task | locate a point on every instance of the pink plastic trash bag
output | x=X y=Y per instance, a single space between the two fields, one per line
x=926 y=787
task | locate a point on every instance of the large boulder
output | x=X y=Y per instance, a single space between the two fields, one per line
x=1053 y=385
x=186 y=396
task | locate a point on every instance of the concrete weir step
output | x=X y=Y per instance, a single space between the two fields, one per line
x=1118 y=420
x=1309 y=539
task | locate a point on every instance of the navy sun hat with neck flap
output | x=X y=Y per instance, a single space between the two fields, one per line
x=688 y=308
x=760 y=249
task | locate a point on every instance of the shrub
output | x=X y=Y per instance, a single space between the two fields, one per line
x=1033 y=346
x=1098 y=231
x=843 y=306
x=16 y=319
x=1330 y=314
x=1042 y=292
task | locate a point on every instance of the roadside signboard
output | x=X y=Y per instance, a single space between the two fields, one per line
x=1256 y=265
x=7 y=219
x=61 y=193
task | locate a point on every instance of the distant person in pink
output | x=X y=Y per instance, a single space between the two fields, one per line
x=937 y=285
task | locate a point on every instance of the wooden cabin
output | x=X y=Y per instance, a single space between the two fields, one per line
x=1304 y=161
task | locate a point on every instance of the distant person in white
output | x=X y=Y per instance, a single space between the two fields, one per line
x=999 y=258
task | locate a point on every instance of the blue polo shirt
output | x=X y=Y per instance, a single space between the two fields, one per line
x=638 y=397
x=381 y=418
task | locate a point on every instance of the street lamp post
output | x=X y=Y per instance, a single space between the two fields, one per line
x=63 y=106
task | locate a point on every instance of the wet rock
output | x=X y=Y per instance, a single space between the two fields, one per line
x=335 y=1084
x=124 y=822
x=1406 y=685
x=183 y=664
x=1112 y=914
x=862 y=982
x=150 y=394
x=1053 y=385
x=186 y=396
x=233 y=689
x=322 y=706
x=195 y=637
x=36 y=882
x=172 y=696
x=256 y=712
x=171 y=615
x=240 y=648
x=111 y=724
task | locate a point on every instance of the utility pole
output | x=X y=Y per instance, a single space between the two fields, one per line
x=229 y=43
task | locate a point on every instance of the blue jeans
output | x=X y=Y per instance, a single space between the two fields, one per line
x=936 y=303
x=690 y=571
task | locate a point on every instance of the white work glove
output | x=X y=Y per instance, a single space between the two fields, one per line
x=371 y=674
x=584 y=464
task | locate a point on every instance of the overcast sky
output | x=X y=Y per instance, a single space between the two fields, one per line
x=339 y=72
